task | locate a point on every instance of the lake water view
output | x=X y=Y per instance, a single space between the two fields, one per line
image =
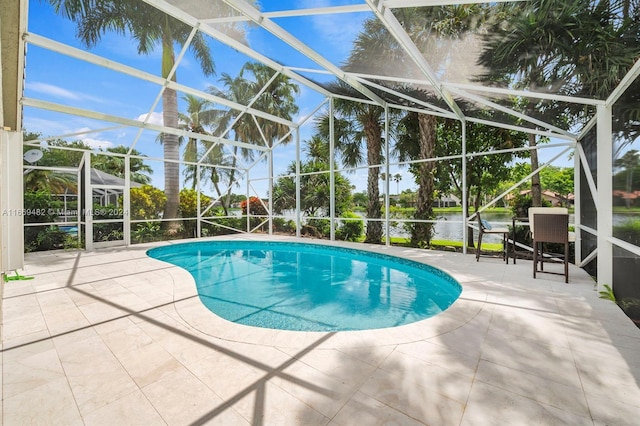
x=449 y=224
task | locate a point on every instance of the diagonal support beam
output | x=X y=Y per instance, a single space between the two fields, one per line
x=393 y=26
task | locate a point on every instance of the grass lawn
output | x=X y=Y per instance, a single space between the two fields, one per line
x=444 y=244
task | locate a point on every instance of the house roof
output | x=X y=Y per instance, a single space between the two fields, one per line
x=98 y=177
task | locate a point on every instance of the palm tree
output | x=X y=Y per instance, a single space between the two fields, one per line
x=236 y=89
x=199 y=114
x=397 y=178
x=276 y=99
x=149 y=27
x=357 y=124
x=317 y=149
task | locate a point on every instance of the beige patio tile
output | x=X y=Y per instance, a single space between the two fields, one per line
x=548 y=392
x=611 y=377
x=348 y=369
x=95 y=375
x=48 y=404
x=27 y=323
x=366 y=410
x=183 y=399
x=429 y=394
x=28 y=367
x=546 y=361
x=530 y=324
x=17 y=288
x=65 y=320
x=324 y=393
x=489 y=405
x=132 y=410
x=410 y=372
x=228 y=375
x=10 y=342
x=609 y=410
x=441 y=355
x=268 y=404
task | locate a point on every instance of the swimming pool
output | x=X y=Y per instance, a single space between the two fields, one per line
x=310 y=287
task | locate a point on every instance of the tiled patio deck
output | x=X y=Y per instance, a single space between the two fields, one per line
x=116 y=338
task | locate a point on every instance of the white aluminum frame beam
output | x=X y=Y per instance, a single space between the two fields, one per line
x=626 y=81
x=524 y=117
x=50 y=106
x=409 y=98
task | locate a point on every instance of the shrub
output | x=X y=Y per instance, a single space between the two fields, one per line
x=350 y=230
x=146 y=232
x=282 y=225
x=323 y=226
x=147 y=202
x=189 y=208
x=628 y=231
x=256 y=207
x=44 y=238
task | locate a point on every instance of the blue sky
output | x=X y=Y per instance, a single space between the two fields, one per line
x=60 y=79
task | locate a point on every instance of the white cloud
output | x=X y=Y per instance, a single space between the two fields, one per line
x=91 y=139
x=50 y=89
x=97 y=143
x=59 y=92
x=155 y=118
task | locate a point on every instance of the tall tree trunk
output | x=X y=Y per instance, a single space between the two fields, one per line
x=373 y=135
x=476 y=207
x=469 y=229
x=171 y=168
x=422 y=231
x=227 y=200
x=536 y=191
x=170 y=142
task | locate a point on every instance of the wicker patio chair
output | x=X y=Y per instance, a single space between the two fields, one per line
x=550 y=228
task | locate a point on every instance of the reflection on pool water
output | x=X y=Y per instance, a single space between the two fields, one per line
x=296 y=286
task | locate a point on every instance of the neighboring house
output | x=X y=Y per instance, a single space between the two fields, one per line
x=626 y=198
x=448 y=200
x=106 y=196
x=552 y=197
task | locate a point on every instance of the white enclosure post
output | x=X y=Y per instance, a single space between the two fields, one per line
x=577 y=199
x=88 y=203
x=270 y=186
x=464 y=188
x=11 y=201
x=198 y=204
x=387 y=201
x=126 y=202
x=605 y=197
x=298 y=218
x=332 y=178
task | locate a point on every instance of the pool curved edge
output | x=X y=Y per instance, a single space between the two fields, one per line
x=193 y=312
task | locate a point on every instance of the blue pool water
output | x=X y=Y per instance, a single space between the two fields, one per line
x=296 y=286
